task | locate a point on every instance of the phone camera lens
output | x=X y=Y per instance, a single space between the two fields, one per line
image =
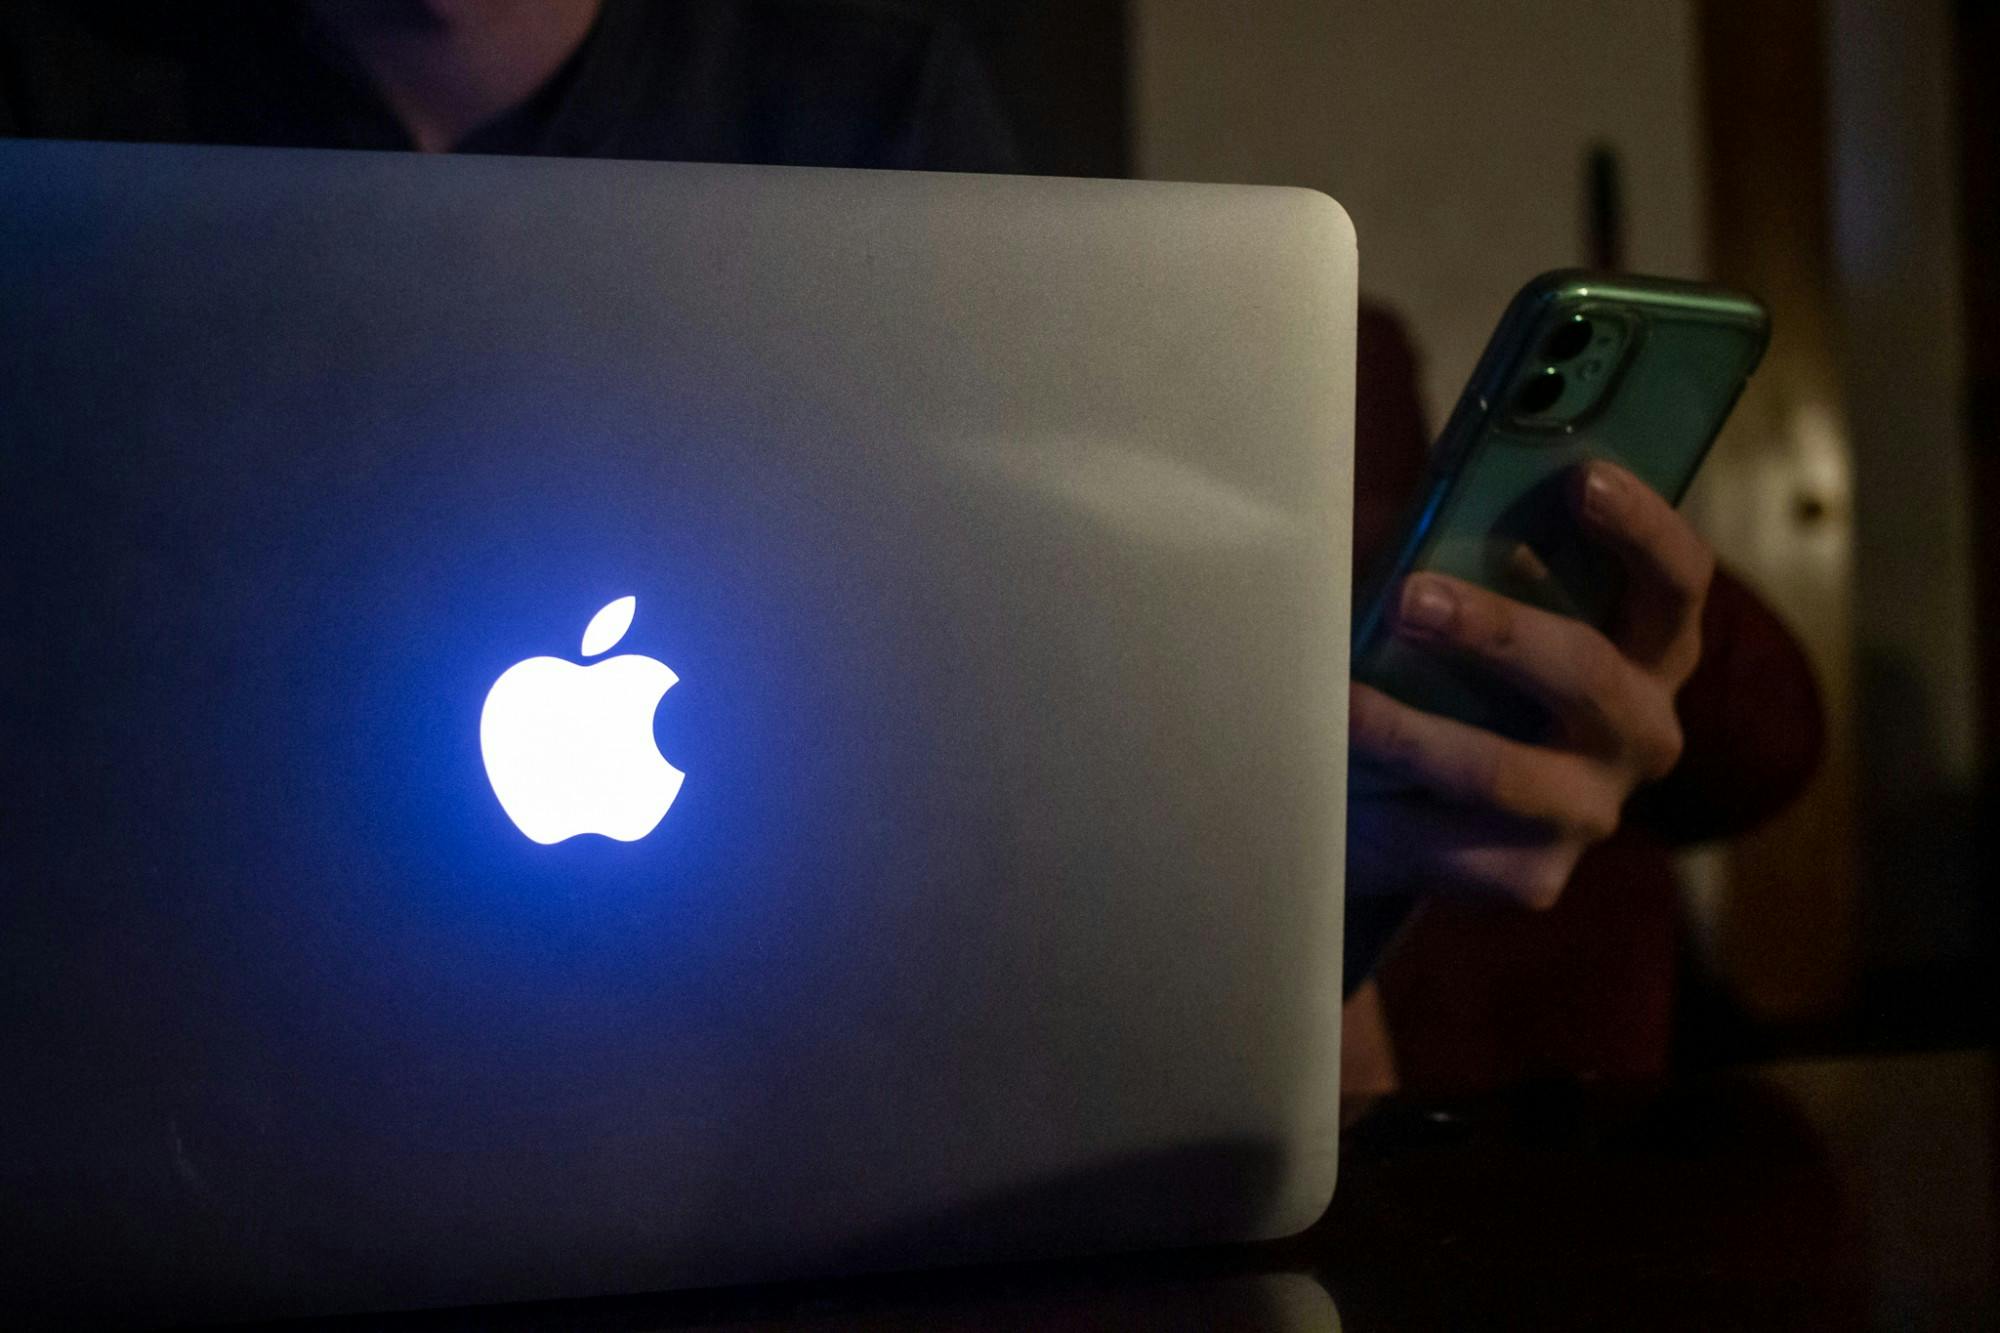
x=1568 y=339
x=1539 y=394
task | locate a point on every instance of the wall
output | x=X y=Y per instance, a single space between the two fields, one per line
x=1419 y=114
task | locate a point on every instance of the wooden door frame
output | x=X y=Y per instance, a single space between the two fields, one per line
x=1784 y=933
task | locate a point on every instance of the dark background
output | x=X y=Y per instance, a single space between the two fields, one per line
x=1061 y=71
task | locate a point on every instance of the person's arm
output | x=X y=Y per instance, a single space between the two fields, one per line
x=1752 y=730
x=1473 y=811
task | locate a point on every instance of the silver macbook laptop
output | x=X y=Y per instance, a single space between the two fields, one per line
x=584 y=727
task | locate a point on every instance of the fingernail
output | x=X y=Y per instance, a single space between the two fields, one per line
x=1603 y=493
x=1426 y=604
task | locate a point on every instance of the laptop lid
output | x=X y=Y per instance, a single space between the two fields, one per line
x=581 y=727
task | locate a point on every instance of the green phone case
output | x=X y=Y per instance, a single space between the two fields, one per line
x=1640 y=371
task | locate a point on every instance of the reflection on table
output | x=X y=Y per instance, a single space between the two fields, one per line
x=1855 y=1193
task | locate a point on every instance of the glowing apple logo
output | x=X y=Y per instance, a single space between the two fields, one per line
x=569 y=749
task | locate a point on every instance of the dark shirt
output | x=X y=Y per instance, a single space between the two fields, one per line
x=780 y=82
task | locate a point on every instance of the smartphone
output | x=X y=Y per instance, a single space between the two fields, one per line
x=1640 y=371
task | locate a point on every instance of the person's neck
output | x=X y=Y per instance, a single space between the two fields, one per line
x=446 y=67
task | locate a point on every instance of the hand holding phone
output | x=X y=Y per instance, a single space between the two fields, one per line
x=1636 y=372
x=1498 y=738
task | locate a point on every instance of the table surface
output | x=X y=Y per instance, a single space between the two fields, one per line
x=1837 y=1194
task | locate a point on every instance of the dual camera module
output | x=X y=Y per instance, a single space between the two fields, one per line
x=1574 y=364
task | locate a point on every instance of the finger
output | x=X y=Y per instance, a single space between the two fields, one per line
x=1471 y=767
x=1668 y=567
x=1600 y=699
